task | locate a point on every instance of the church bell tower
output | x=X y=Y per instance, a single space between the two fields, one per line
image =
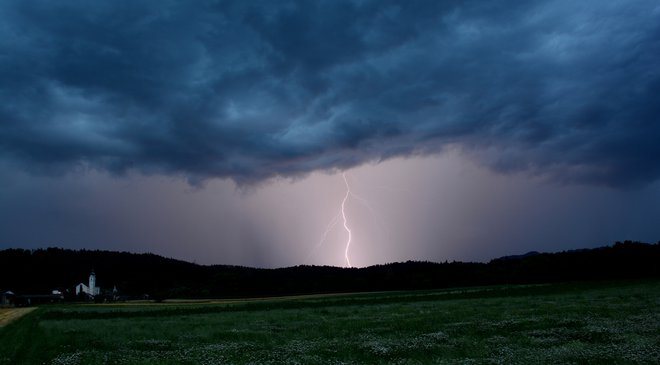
x=92 y=283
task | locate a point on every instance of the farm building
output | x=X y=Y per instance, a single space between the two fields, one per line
x=6 y=297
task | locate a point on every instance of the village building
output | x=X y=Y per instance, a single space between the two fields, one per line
x=6 y=298
x=91 y=289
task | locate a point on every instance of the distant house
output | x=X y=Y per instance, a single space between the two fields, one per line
x=91 y=290
x=7 y=297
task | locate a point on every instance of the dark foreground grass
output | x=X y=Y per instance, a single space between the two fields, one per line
x=602 y=323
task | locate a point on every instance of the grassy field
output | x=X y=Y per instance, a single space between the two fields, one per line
x=615 y=323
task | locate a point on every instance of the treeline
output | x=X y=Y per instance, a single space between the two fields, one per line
x=41 y=271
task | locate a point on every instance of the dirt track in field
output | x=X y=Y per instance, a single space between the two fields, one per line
x=10 y=314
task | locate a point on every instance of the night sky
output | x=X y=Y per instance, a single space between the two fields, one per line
x=220 y=132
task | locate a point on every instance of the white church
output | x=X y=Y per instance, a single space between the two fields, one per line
x=90 y=290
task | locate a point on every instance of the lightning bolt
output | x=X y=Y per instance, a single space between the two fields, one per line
x=331 y=225
x=343 y=214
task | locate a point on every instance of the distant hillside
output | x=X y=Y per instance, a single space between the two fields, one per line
x=40 y=271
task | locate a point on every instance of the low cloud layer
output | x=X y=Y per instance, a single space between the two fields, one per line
x=249 y=90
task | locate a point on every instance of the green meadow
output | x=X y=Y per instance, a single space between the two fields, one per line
x=579 y=323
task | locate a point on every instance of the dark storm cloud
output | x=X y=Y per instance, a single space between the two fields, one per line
x=250 y=90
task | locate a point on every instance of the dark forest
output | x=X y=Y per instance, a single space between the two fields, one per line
x=30 y=272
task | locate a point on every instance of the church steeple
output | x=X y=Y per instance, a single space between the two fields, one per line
x=92 y=283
